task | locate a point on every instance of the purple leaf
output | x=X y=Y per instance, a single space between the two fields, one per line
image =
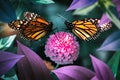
x=104 y=19
x=31 y=67
x=73 y=73
x=112 y=43
x=80 y=4
x=94 y=78
x=102 y=71
x=7 y=61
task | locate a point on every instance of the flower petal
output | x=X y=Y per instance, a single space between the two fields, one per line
x=73 y=73
x=62 y=48
x=104 y=19
x=85 y=11
x=31 y=67
x=94 y=78
x=109 y=8
x=7 y=61
x=117 y=3
x=112 y=43
x=103 y=72
x=80 y=4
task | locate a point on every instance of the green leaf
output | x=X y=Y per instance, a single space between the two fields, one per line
x=118 y=76
x=110 y=9
x=20 y=6
x=19 y=12
x=86 y=10
x=114 y=62
x=6 y=42
x=44 y=1
x=10 y=78
x=10 y=73
x=54 y=76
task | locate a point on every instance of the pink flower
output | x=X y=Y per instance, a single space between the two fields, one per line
x=62 y=48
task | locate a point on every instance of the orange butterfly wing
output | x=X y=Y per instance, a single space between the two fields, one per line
x=85 y=29
x=35 y=30
x=33 y=27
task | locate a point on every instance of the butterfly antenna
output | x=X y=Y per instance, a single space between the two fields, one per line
x=62 y=17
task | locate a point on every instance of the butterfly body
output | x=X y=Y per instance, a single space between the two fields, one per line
x=87 y=29
x=33 y=27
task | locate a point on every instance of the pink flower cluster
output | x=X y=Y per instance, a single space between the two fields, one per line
x=62 y=48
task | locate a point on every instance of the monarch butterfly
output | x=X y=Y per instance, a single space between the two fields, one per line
x=33 y=27
x=87 y=29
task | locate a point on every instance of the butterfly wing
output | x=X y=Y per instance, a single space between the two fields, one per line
x=30 y=16
x=17 y=24
x=105 y=26
x=85 y=29
x=33 y=27
x=35 y=17
x=34 y=30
